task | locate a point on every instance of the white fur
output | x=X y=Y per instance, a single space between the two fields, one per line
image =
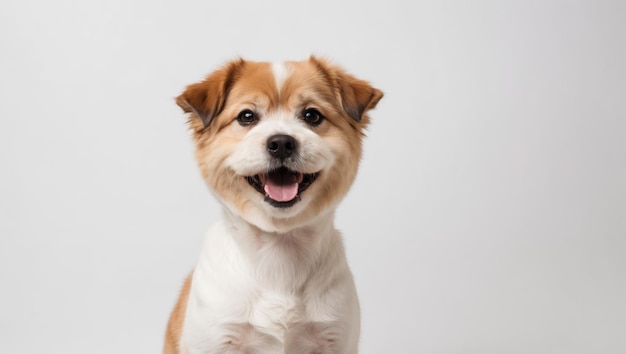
x=268 y=293
x=281 y=73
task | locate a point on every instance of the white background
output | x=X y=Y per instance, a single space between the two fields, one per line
x=489 y=215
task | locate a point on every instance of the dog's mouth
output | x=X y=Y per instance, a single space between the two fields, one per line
x=282 y=187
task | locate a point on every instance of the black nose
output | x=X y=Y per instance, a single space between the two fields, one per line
x=281 y=146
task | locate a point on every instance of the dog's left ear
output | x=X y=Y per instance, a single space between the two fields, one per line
x=206 y=99
x=357 y=96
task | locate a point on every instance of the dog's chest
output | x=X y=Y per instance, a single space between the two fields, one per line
x=272 y=302
x=274 y=312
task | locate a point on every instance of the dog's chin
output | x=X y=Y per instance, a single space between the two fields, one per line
x=282 y=188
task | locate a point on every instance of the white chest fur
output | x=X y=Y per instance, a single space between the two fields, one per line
x=254 y=292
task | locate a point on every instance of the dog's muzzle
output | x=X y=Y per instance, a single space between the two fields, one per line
x=282 y=186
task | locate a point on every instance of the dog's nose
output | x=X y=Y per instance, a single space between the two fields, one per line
x=281 y=146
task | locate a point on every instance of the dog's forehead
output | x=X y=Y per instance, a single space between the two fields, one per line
x=281 y=72
x=279 y=84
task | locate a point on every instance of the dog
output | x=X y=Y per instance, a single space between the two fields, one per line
x=279 y=145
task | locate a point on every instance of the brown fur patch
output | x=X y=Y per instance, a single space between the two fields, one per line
x=175 y=323
x=206 y=99
x=357 y=96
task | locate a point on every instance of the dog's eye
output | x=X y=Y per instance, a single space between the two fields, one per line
x=247 y=117
x=312 y=116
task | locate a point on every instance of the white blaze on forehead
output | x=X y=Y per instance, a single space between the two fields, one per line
x=281 y=73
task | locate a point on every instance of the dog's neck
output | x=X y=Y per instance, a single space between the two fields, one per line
x=314 y=233
x=286 y=259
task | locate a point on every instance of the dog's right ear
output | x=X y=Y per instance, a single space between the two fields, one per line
x=206 y=99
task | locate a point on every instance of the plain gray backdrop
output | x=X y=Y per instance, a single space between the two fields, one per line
x=489 y=215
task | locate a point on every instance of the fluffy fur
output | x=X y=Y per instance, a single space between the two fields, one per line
x=278 y=144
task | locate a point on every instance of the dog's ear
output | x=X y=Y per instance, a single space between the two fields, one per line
x=206 y=99
x=357 y=96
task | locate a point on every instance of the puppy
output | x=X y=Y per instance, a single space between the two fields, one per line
x=278 y=144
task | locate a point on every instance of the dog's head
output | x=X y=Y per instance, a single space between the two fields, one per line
x=279 y=143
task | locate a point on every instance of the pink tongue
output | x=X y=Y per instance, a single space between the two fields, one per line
x=281 y=192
